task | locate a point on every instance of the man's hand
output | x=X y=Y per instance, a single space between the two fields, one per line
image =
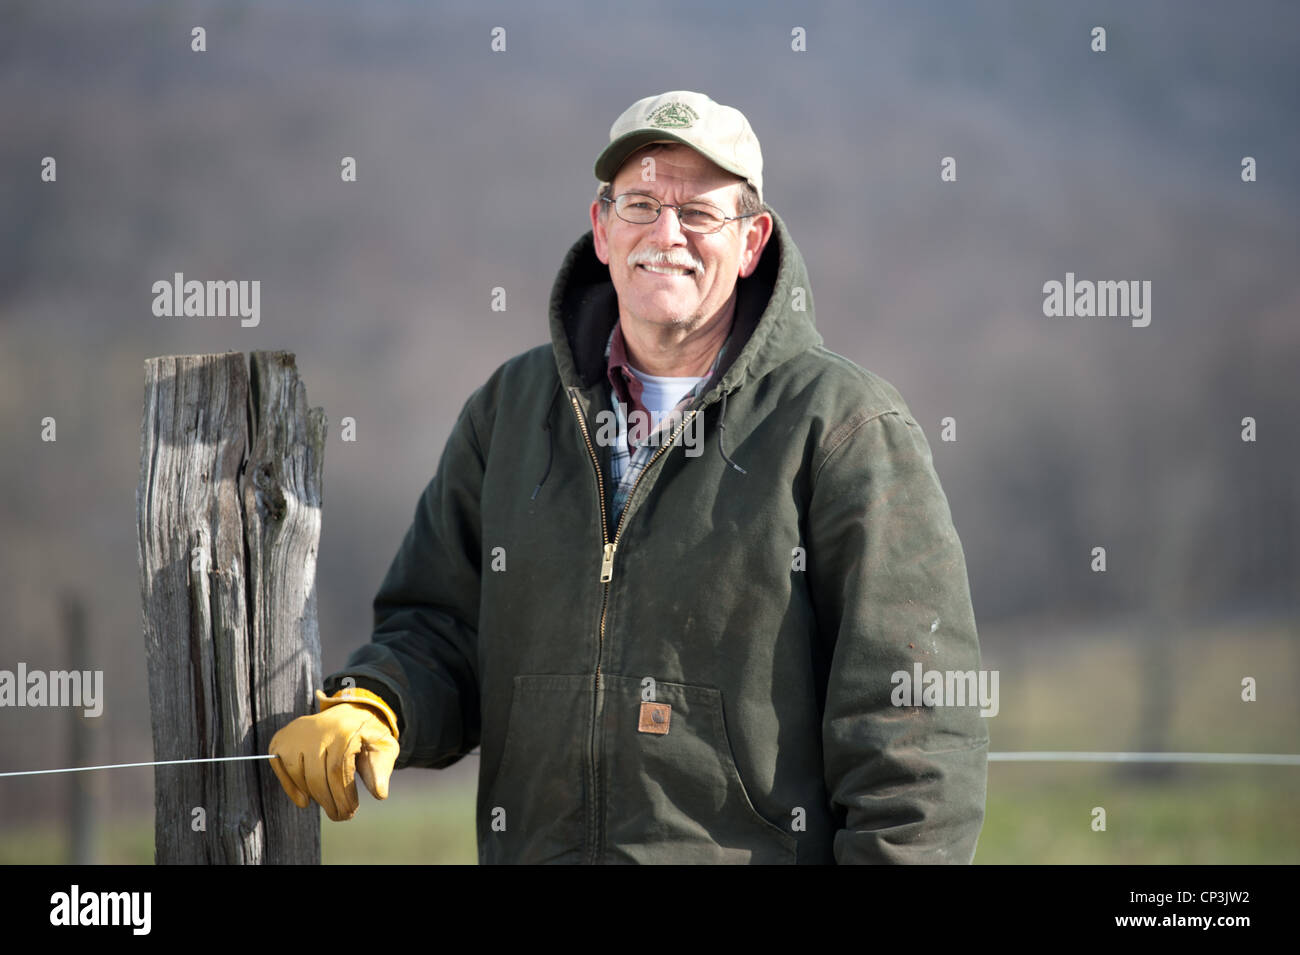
x=355 y=731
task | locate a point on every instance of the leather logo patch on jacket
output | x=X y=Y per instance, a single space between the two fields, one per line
x=655 y=718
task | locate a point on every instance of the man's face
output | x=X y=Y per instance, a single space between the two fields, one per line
x=655 y=292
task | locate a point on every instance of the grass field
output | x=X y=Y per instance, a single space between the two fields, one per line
x=1081 y=695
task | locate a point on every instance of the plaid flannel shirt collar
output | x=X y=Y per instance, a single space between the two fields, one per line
x=627 y=461
x=612 y=371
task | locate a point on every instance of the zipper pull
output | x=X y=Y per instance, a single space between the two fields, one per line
x=607 y=564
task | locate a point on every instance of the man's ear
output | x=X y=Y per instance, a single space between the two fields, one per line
x=598 y=232
x=760 y=230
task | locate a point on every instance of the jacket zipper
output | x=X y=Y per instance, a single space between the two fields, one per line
x=607 y=574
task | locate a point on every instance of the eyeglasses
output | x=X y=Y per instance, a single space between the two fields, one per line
x=700 y=217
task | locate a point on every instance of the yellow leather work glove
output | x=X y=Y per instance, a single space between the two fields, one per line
x=355 y=731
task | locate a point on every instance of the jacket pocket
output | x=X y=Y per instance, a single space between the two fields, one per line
x=679 y=797
x=534 y=809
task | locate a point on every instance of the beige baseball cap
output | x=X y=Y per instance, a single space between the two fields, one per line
x=720 y=133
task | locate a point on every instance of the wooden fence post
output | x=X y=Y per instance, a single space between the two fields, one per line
x=228 y=513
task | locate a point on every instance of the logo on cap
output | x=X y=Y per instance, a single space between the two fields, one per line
x=673 y=116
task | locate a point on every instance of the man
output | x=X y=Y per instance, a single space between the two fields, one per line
x=666 y=651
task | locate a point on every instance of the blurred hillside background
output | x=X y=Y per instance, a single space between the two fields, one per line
x=474 y=171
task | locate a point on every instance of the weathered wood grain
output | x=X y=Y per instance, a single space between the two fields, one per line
x=282 y=521
x=228 y=513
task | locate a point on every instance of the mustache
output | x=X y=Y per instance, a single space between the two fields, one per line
x=679 y=257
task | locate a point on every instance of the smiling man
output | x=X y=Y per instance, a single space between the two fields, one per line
x=666 y=656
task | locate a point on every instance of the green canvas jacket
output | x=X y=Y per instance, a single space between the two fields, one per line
x=769 y=608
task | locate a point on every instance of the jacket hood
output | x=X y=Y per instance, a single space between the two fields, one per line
x=773 y=322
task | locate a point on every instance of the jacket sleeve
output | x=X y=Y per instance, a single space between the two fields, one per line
x=422 y=657
x=889 y=585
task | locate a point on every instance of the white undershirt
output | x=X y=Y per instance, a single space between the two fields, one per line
x=660 y=395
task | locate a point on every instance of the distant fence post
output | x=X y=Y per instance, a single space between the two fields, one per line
x=81 y=805
x=228 y=512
